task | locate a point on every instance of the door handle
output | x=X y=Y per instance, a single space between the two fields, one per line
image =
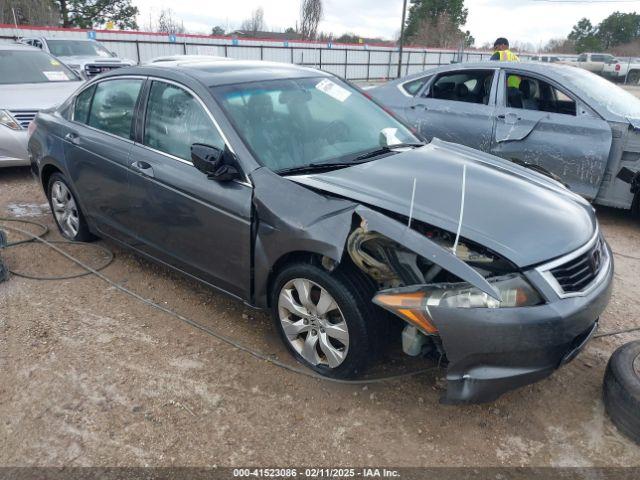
x=510 y=118
x=72 y=137
x=143 y=167
x=419 y=105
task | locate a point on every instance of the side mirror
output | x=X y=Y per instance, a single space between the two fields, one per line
x=217 y=164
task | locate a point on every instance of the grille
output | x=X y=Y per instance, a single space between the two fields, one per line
x=577 y=274
x=93 y=70
x=24 y=117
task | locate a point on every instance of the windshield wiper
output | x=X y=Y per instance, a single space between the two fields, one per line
x=314 y=167
x=386 y=149
x=317 y=167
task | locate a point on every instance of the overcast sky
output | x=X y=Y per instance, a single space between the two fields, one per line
x=533 y=21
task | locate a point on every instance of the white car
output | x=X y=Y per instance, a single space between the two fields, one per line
x=87 y=58
x=593 y=62
x=623 y=70
x=31 y=80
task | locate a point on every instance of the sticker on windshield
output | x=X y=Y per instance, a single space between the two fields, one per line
x=55 y=62
x=333 y=90
x=56 y=76
x=390 y=136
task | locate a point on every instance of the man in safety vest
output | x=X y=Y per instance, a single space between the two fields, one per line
x=502 y=52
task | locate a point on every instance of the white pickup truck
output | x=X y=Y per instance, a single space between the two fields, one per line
x=618 y=70
x=593 y=62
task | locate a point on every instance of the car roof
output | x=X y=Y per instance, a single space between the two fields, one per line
x=188 y=58
x=216 y=73
x=533 y=67
x=60 y=38
x=17 y=46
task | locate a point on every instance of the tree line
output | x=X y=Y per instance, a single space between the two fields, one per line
x=616 y=33
x=435 y=23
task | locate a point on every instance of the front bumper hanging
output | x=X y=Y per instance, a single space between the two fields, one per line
x=492 y=351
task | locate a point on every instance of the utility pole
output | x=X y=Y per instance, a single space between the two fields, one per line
x=401 y=41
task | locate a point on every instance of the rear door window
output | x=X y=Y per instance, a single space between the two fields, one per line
x=113 y=105
x=472 y=86
x=414 y=86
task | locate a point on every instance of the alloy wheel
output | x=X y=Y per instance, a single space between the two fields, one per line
x=313 y=323
x=65 y=209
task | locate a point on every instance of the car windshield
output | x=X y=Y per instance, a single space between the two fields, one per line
x=293 y=123
x=70 y=48
x=32 y=66
x=603 y=92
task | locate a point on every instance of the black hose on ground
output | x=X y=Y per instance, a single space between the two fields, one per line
x=204 y=328
x=31 y=237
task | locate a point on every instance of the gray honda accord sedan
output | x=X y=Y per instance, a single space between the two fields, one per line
x=292 y=191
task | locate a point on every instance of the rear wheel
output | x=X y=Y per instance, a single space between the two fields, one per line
x=633 y=78
x=326 y=320
x=66 y=211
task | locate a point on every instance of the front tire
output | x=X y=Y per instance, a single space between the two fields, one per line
x=66 y=210
x=326 y=320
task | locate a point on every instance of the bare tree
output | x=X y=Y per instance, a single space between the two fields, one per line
x=255 y=23
x=310 y=16
x=559 y=45
x=29 y=12
x=167 y=23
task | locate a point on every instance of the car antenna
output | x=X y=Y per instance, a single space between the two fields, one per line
x=464 y=188
x=413 y=198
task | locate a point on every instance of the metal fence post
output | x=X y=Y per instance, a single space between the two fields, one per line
x=626 y=76
x=346 y=61
x=368 y=64
x=374 y=64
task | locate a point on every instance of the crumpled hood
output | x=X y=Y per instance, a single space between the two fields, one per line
x=35 y=96
x=515 y=212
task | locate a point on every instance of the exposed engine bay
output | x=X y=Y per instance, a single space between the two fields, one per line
x=409 y=282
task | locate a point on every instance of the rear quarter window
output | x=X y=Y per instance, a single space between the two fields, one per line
x=82 y=105
x=414 y=86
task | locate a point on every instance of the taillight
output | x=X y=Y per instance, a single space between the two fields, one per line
x=617 y=67
x=31 y=128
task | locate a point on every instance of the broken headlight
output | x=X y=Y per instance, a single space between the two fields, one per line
x=412 y=303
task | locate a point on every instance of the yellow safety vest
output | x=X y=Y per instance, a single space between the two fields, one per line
x=508 y=56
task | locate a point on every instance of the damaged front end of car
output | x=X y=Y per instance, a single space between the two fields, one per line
x=477 y=313
x=488 y=307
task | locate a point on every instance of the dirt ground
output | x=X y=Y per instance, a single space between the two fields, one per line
x=92 y=377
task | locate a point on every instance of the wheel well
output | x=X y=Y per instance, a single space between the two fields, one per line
x=46 y=173
x=286 y=260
